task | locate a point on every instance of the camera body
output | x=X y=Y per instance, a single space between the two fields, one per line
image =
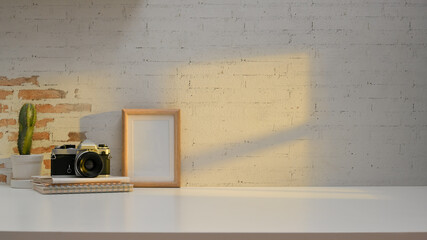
x=87 y=160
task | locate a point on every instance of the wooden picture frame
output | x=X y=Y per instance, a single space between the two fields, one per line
x=151 y=147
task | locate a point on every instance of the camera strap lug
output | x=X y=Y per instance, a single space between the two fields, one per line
x=69 y=169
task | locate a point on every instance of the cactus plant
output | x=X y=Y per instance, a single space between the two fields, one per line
x=27 y=121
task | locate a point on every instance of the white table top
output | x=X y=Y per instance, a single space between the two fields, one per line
x=219 y=210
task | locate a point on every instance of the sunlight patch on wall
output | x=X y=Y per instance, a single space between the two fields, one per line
x=242 y=121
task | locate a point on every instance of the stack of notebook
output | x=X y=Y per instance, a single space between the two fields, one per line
x=51 y=185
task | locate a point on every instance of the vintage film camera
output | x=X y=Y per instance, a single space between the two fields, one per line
x=87 y=160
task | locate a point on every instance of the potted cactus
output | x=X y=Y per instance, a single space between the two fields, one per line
x=25 y=165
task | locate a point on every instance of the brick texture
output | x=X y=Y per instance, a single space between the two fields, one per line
x=43 y=122
x=4 y=81
x=63 y=108
x=41 y=136
x=3 y=178
x=4 y=108
x=38 y=150
x=40 y=94
x=7 y=122
x=46 y=163
x=13 y=136
x=76 y=136
x=4 y=94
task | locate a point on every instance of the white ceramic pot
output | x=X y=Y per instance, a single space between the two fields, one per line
x=25 y=166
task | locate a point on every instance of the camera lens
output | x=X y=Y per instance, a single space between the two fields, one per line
x=88 y=164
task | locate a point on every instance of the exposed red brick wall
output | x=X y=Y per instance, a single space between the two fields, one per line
x=3 y=178
x=41 y=136
x=38 y=150
x=5 y=93
x=76 y=136
x=13 y=136
x=46 y=163
x=43 y=122
x=41 y=94
x=4 y=108
x=4 y=81
x=7 y=122
x=2 y=165
x=63 y=108
x=50 y=104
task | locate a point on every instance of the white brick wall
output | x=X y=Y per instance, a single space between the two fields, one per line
x=272 y=93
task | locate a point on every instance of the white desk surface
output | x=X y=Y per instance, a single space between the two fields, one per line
x=276 y=211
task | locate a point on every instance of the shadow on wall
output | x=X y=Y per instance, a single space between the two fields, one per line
x=106 y=128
